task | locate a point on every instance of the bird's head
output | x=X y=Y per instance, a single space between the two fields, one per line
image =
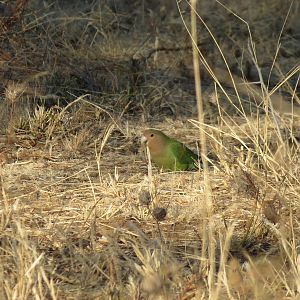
x=154 y=139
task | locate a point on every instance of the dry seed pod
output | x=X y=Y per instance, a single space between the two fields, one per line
x=145 y=197
x=270 y=212
x=159 y=213
x=234 y=273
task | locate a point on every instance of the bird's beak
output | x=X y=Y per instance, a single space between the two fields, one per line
x=143 y=140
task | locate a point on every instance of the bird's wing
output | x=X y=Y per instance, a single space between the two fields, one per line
x=182 y=153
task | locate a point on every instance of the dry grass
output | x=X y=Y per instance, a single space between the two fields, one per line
x=84 y=216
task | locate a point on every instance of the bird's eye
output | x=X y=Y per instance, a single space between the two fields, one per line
x=152 y=135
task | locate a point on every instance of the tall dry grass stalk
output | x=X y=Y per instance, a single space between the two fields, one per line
x=208 y=233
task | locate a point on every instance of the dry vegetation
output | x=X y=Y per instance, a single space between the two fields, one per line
x=83 y=216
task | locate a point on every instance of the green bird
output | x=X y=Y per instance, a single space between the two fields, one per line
x=168 y=153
